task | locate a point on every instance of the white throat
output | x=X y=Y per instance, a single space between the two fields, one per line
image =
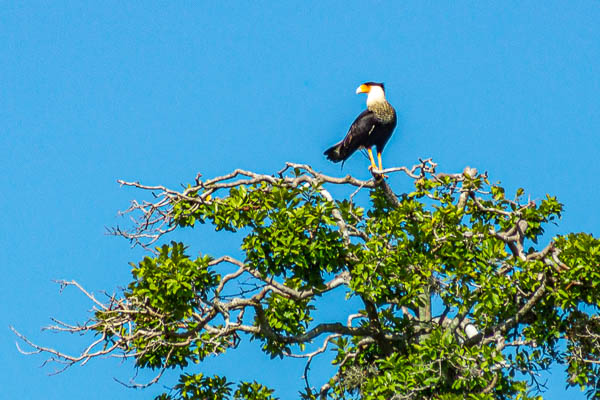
x=376 y=95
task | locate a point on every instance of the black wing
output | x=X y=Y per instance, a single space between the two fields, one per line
x=357 y=137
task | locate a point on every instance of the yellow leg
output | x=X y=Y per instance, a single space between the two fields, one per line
x=371 y=158
x=379 y=159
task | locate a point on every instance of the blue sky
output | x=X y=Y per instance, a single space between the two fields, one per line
x=91 y=92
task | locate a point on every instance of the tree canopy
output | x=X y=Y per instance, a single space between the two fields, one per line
x=456 y=296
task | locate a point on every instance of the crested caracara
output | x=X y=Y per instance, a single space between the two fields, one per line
x=373 y=127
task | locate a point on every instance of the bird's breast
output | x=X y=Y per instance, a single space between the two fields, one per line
x=383 y=112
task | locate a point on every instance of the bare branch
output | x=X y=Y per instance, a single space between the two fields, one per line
x=156 y=218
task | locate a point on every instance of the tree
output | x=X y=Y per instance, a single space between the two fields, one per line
x=457 y=299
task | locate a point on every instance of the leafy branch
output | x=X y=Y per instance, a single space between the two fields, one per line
x=453 y=295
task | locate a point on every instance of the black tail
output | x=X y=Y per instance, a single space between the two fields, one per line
x=337 y=152
x=333 y=153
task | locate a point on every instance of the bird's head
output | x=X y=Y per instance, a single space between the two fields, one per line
x=375 y=92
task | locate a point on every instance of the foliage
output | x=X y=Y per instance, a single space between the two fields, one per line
x=457 y=298
x=199 y=387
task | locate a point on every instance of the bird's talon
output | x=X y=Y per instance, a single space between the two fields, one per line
x=377 y=173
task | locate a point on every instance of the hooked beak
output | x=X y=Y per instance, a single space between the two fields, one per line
x=363 y=89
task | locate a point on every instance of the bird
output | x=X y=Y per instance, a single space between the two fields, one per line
x=373 y=127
